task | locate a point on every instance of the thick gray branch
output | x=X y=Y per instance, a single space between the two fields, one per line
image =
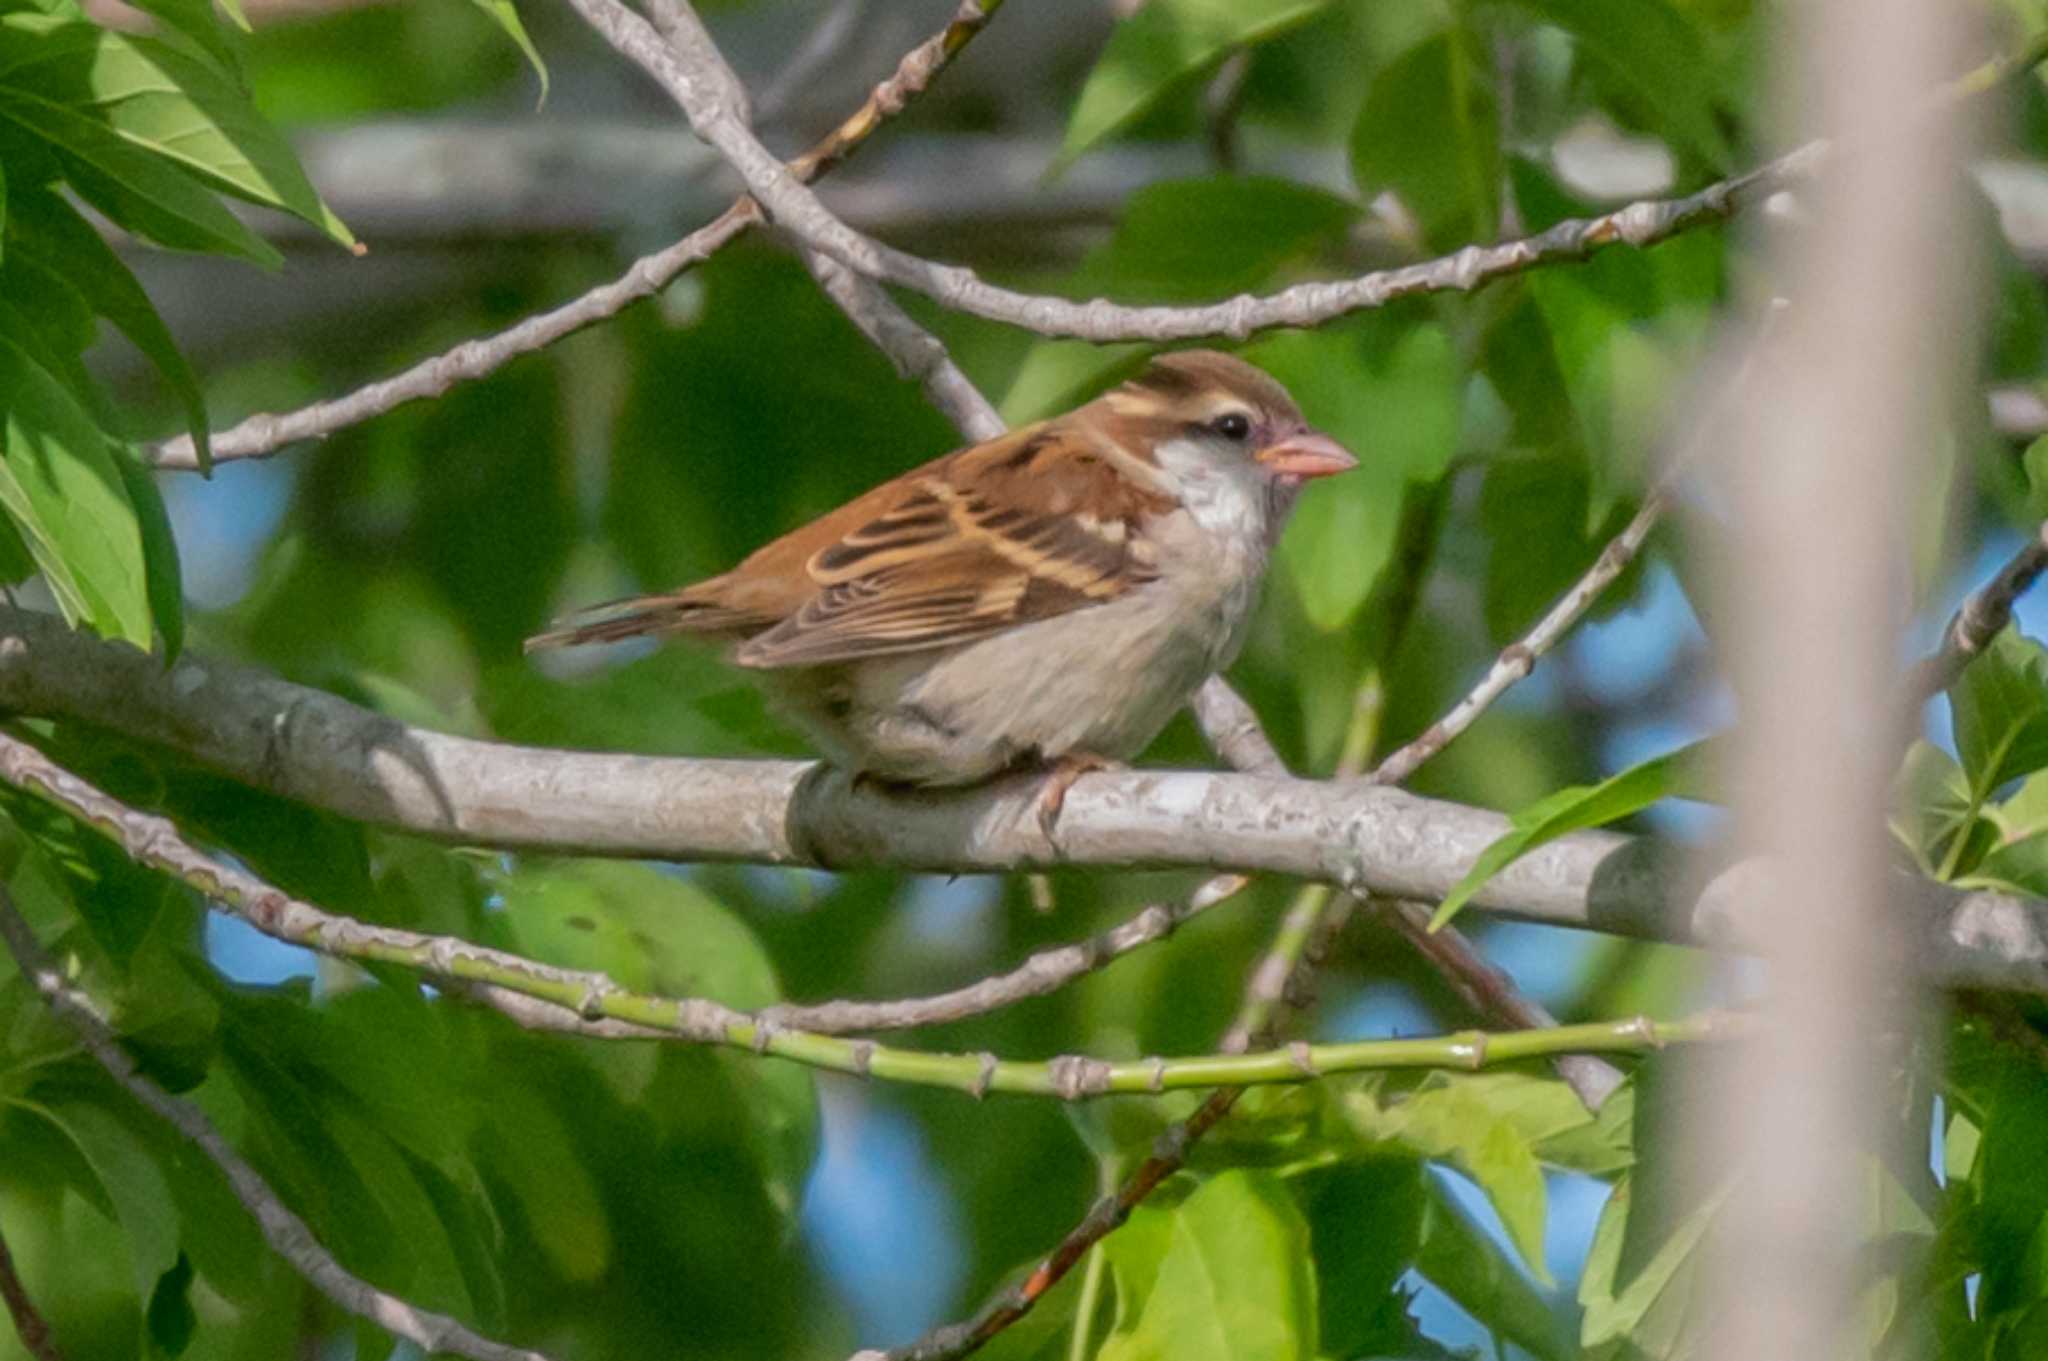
x=309 y=745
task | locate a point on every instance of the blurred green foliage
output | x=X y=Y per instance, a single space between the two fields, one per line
x=628 y=1198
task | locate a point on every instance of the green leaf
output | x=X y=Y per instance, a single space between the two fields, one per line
x=2022 y=814
x=1647 y=1314
x=118 y=900
x=343 y=1150
x=1560 y=1130
x=133 y=188
x=159 y=550
x=1658 y=55
x=422 y=1238
x=134 y=1185
x=310 y=854
x=156 y=99
x=1571 y=810
x=650 y=930
x=2011 y=1190
x=481 y=468
x=657 y=932
x=194 y=22
x=1180 y=241
x=2035 y=462
x=2000 y=713
x=1617 y=375
x=1931 y=804
x=537 y=1157
x=2017 y=866
x=1430 y=132
x=1135 y=1251
x=1365 y=1225
x=502 y=13
x=1234 y=1284
x=1463 y=1123
x=170 y=1317
x=1400 y=408
x=1194 y=240
x=1959 y=1147
x=63 y=488
x=1466 y=1263
x=16 y=563
x=367 y=1048
x=48 y=234
x=47 y=316
x=1162 y=45
x=1542 y=498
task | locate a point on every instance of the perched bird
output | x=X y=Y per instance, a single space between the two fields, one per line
x=1051 y=597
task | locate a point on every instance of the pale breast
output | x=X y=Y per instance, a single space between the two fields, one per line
x=1103 y=680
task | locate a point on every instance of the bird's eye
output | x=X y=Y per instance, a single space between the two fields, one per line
x=1233 y=425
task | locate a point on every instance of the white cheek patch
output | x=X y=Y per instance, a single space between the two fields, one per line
x=1223 y=490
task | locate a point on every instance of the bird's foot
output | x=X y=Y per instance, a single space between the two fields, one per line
x=1053 y=795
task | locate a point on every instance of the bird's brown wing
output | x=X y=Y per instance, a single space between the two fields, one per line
x=1036 y=523
x=1022 y=528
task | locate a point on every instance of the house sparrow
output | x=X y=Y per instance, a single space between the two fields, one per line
x=1052 y=596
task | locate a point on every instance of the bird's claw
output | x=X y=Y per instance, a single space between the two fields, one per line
x=1052 y=797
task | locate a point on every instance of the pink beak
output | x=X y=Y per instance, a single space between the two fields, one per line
x=1307 y=454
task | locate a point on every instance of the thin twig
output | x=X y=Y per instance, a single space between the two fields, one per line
x=29 y=1325
x=1222 y=105
x=1494 y=998
x=915 y=352
x=264 y=434
x=1042 y=974
x=1282 y=983
x=1983 y=614
x=1278 y=982
x=689 y=74
x=690 y=77
x=1310 y=926
x=1519 y=658
x=287 y=1234
x=1491 y=994
x=1639 y=224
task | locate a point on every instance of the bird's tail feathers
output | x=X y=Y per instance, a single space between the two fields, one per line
x=635 y=617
